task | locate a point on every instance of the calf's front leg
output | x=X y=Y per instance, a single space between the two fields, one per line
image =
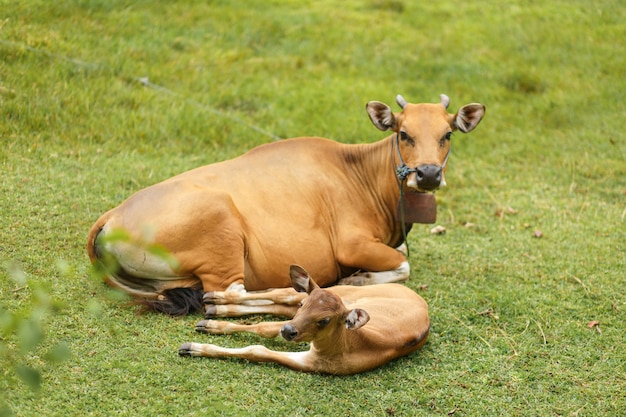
x=299 y=361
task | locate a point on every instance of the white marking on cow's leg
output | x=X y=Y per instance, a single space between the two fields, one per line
x=402 y=249
x=236 y=286
x=368 y=278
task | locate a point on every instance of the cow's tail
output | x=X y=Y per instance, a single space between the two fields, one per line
x=171 y=297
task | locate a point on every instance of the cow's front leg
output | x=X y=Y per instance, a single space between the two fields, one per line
x=377 y=262
x=403 y=249
x=236 y=301
x=400 y=274
x=236 y=294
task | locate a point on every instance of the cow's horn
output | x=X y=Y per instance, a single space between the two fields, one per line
x=400 y=100
x=445 y=100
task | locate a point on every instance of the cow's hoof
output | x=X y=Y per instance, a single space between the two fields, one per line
x=185 y=349
x=356 y=280
x=210 y=311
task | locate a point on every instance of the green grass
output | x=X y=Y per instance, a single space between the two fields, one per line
x=79 y=134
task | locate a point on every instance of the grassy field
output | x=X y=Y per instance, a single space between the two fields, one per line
x=512 y=314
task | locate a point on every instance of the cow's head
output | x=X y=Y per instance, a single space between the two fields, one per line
x=423 y=134
x=321 y=313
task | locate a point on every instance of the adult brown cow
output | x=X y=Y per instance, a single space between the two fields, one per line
x=327 y=206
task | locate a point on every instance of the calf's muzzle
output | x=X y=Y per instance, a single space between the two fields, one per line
x=288 y=332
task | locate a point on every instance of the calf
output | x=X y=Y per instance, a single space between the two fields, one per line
x=351 y=329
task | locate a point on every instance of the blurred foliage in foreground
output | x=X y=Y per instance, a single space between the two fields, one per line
x=23 y=349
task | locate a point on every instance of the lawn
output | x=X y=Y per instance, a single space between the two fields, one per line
x=526 y=289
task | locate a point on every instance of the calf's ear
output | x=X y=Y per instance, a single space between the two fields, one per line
x=381 y=115
x=356 y=318
x=468 y=117
x=301 y=281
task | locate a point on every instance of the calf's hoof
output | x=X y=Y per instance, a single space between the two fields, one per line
x=185 y=349
x=202 y=326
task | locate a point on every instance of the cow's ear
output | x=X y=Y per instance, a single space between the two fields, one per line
x=468 y=117
x=356 y=318
x=301 y=281
x=381 y=115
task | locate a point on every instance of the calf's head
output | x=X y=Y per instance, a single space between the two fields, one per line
x=423 y=133
x=321 y=313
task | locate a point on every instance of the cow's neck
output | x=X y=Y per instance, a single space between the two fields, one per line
x=336 y=343
x=372 y=170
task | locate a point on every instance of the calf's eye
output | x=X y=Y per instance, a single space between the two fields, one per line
x=323 y=323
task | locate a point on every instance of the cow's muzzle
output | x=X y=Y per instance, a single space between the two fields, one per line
x=428 y=177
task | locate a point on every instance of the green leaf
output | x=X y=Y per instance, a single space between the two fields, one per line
x=164 y=254
x=15 y=272
x=5 y=410
x=116 y=235
x=41 y=297
x=106 y=266
x=29 y=334
x=64 y=267
x=59 y=353
x=29 y=376
x=7 y=322
x=94 y=307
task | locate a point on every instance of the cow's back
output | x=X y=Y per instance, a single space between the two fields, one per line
x=286 y=196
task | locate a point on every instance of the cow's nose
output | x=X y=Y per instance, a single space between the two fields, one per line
x=288 y=332
x=428 y=176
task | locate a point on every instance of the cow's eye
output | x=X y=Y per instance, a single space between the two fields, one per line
x=405 y=137
x=445 y=138
x=323 y=322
